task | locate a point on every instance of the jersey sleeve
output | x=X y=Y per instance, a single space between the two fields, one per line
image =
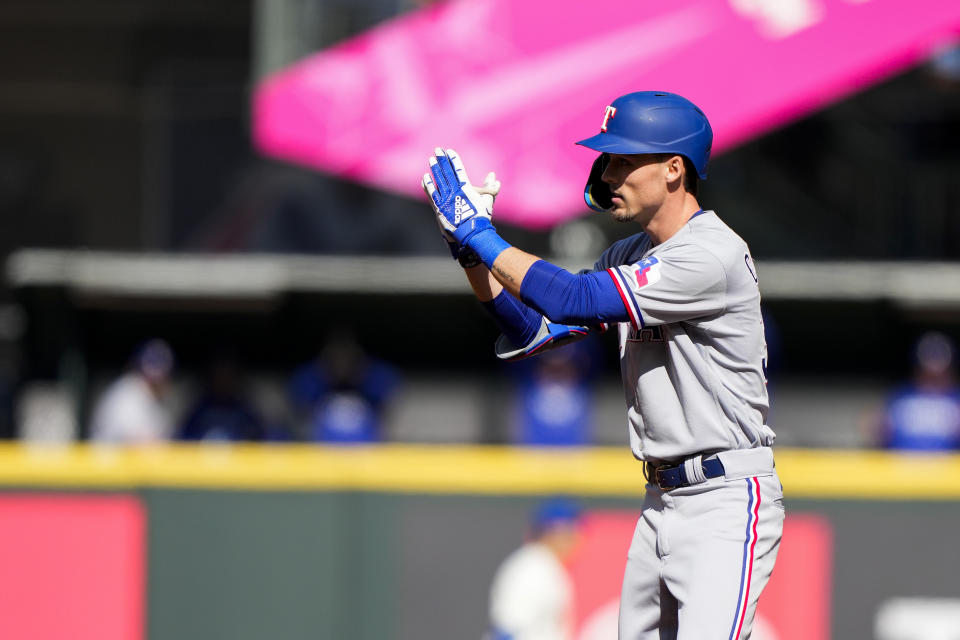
x=681 y=283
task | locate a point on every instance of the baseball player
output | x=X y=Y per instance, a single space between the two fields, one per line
x=683 y=294
x=531 y=597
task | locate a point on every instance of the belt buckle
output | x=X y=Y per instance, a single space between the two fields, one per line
x=658 y=475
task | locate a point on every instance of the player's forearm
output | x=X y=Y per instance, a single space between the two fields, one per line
x=562 y=297
x=507 y=264
x=484 y=285
x=510 y=267
x=518 y=322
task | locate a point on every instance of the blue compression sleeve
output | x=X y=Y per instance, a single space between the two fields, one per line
x=584 y=299
x=518 y=322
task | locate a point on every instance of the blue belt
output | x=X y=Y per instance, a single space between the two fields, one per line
x=675 y=476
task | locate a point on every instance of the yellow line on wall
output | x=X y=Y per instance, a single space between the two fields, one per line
x=446 y=469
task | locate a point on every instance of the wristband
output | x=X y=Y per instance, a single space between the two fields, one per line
x=468 y=258
x=488 y=245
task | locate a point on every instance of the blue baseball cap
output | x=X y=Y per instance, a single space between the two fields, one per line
x=555 y=511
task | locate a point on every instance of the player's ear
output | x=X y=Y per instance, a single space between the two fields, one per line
x=674 y=169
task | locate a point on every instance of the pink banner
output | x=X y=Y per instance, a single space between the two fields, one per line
x=72 y=567
x=511 y=85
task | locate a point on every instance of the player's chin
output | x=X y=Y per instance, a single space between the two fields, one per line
x=620 y=213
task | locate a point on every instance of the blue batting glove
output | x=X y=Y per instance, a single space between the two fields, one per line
x=462 y=209
x=452 y=245
x=466 y=256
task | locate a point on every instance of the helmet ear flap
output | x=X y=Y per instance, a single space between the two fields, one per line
x=597 y=193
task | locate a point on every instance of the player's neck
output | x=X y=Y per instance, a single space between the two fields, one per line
x=671 y=217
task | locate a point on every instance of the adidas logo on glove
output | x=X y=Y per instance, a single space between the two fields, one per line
x=461 y=209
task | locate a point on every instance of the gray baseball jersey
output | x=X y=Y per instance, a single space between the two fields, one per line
x=692 y=358
x=693 y=354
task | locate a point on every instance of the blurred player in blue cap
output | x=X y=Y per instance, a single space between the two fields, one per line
x=531 y=597
x=924 y=414
x=132 y=409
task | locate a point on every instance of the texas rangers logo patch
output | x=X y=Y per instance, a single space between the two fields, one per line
x=647 y=272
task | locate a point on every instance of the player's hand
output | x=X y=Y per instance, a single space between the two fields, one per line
x=466 y=256
x=452 y=245
x=461 y=209
x=488 y=192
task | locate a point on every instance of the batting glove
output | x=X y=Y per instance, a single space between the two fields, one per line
x=452 y=243
x=466 y=256
x=488 y=191
x=462 y=209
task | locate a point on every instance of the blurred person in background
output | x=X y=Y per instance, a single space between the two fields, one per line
x=222 y=412
x=531 y=597
x=555 y=397
x=131 y=410
x=342 y=395
x=924 y=413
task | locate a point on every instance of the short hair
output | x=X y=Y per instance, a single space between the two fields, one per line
x=691 y=179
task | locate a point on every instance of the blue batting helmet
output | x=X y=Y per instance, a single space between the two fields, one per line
x=655 y=122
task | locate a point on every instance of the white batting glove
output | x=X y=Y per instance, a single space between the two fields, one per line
x=489 y=190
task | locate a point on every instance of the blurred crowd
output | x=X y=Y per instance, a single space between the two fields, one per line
x=344 y=394
x=341 y=395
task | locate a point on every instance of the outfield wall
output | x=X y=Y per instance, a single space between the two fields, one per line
x=401 y=542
